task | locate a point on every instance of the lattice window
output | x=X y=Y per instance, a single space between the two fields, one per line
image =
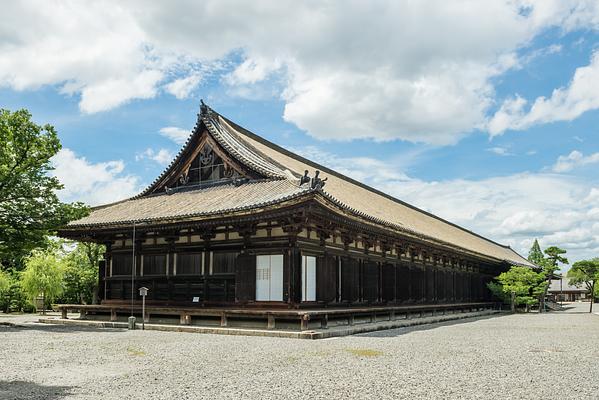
x=208 y=166
x=189 y=263
x=122 y=264
x=223 y=263
x=154 y=264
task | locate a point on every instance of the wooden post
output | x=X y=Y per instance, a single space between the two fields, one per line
x=223 y=319
x=324 y=322
x=185 y=319
x=304 y=322
x=271 y=321
x=392 y=315
x=82 y=313
x=64 y=312
x=113 y=314
x=350 y=319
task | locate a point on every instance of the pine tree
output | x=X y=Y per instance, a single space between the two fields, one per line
x=535 y=255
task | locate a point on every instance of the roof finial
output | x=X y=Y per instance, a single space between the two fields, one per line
x=203 y=107
x=317 y=183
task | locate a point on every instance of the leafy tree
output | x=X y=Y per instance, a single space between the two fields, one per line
x=13 y=298
x=585 y=272
x=4 y=281
x=535 y=255
x=522 y=283
x=550 y=267
x=29 y=207
x=43 y=275
x=81 y=273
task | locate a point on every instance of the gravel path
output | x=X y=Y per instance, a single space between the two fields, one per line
x=530 y=356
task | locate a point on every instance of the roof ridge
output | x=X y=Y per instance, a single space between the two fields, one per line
x=323 y=168
x=258 y=161
x=205 y=117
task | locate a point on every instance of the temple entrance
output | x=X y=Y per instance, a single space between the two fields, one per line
x=269 y=277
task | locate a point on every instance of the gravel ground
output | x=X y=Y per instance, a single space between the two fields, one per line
x=530 y=356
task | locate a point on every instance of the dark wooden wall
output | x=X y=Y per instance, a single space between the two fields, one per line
x=341 y=279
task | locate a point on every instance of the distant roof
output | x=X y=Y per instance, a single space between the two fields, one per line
x=281 y=170
x=558 y=285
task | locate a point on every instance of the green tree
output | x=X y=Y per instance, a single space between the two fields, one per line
x=550 y=266
x=43 y=276
x=518 y=286
x=30 y=210
x=81 y=273
x=13 y=298
x=535 y=255
x=585 y=272
x=4 y=281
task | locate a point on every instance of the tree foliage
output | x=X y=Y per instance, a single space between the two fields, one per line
x=81 y=273
x=535 y=255
x=29 y=207
x=13 y=298
x=4 y=281
x=585 y=272
x=524 y=282
x=43 y=276
x=554 y=256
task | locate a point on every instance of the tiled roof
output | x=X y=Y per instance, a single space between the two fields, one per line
x=240 y=149
x=282 y=170
x=374 y=204
x=558 y=285
x=212 y=200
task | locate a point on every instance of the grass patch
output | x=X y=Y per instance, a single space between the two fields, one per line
x=135 y=352
x=365 y=352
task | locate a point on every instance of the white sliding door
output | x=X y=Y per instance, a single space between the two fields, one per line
x=269 y=277
x=308 y=278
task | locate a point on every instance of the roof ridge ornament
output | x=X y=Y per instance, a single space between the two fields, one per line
x=316 y=183
x=204 y=109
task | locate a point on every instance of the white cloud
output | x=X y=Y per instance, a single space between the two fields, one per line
x=162 y=156
x=114 y=92
x=177 y=135
x=92 y=183
x=500 y=151
x=181 y=88
x=564 y=104
x=512 y=209
x=573 y=160
x=415 y=72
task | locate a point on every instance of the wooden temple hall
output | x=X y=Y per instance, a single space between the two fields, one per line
x=238 y=230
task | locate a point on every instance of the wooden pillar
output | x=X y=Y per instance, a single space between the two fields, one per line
x=103 y=284
x=305 y=322
x=295 y=275
x=185 y=319
x=324 y=322
x=223 y=319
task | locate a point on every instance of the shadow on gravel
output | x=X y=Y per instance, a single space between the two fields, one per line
x=402 y=331
x=17 y=390
x=55 y=328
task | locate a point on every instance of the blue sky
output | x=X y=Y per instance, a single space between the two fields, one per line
x=485 y=113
